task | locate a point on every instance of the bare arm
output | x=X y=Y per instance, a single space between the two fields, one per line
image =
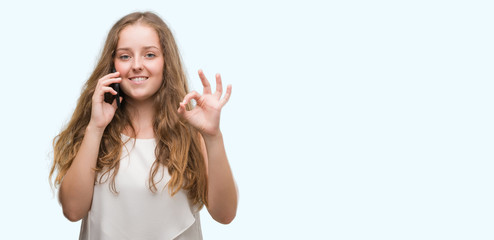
x=205 y=117
x=76 y=189
x=222 y=191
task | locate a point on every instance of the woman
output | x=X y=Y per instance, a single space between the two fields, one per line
x=141 y=163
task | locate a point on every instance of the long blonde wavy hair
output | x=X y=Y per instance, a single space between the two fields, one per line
x=178 y=144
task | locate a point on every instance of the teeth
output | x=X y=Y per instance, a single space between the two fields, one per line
x=139 y=79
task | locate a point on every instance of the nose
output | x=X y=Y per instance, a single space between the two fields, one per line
x=137 y=64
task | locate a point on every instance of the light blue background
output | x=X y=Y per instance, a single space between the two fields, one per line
x=348 y=119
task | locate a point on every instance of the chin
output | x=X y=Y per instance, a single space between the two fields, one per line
x=140 y=97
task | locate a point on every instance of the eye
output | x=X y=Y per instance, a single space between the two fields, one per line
x=124 y=57
x=150 y=55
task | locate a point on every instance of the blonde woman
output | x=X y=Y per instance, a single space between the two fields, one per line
x=140 y=163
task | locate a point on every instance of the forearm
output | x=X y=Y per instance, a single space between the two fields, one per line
x=222 y=192
x=76 y=190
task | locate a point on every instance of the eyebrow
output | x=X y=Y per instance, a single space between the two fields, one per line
x=145 y=48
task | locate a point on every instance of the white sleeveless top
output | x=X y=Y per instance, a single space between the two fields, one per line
x=135 y=212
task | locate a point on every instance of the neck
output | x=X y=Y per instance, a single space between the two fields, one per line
x=141 y=115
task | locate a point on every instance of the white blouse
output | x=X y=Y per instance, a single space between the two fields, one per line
x=135 y=212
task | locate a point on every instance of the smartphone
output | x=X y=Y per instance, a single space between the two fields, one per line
x=108 y=96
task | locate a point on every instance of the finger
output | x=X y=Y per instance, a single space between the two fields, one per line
x=192 y=95
x=227 y=95
x=109 y=76
x=106 y=83
x=110 y=81
x=219 y=86
x=109 y=90
x=99 y=93
x=104 y=89
x=205 y=82
x=113 y=74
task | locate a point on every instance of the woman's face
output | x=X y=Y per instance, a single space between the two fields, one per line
x=139 y=59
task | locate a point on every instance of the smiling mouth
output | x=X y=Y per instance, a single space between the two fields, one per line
x=138 y=79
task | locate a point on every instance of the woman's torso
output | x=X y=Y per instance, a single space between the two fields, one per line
x=136 y=212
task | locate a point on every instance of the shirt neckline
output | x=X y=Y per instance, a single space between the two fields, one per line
x=139 y=139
